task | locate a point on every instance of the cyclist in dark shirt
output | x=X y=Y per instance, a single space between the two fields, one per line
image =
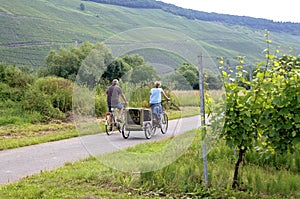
x=113 y=92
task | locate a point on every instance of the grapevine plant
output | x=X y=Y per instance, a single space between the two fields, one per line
x=263 y=114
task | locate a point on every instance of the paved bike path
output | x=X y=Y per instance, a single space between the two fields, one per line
x=21 y=162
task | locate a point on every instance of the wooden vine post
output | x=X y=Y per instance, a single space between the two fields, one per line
x=202 y=114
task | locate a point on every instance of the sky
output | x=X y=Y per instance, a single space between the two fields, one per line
x=276 y=10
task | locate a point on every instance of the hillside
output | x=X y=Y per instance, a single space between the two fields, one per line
x=28 y=31
x=256 y=23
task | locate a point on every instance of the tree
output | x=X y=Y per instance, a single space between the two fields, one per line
x=94 y=66
x=116 y=70
x=82 y=7
x=66 y=62
x=143 y=74
x=190 y=72
x=213 y=81
x=133 y=60
x=177 y=82
x=120 y=68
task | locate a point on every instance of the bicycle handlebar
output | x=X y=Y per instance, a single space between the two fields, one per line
x=165 y=100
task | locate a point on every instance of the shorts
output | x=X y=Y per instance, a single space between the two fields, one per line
x=156 y=109
x=118 y=106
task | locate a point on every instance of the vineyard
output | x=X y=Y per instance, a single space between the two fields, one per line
x=29 y=31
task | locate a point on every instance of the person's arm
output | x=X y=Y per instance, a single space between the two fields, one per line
x=164 y=94
x=124 y=98
x=122 y=94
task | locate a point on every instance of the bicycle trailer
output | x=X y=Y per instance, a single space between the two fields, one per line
x=136 y=118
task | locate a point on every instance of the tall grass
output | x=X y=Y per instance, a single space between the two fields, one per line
x=192 y=97
x=186 y=175
x=13 y=113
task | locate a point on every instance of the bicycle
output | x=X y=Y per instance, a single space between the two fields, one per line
x=111 y=122
x=159 y=120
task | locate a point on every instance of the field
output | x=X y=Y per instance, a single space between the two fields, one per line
x=192 y=98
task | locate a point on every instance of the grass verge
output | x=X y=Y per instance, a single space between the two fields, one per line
x=14 y=136
x=183 y=178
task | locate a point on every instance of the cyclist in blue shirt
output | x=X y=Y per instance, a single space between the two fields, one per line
x=155 y=98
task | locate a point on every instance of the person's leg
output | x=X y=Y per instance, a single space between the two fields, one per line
x=119 y=115
x=159 y=112
x=120 y=112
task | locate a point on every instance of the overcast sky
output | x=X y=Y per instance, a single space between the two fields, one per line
x=277 y=10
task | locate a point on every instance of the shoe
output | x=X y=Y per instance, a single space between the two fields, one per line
x=119 y=120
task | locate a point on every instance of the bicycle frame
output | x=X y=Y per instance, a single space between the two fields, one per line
x=111 y=122
x=159 y=118
x=157 y=110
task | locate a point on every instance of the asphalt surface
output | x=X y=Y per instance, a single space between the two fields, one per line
x=25 y=161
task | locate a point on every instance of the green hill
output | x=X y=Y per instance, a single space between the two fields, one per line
x=29 y=30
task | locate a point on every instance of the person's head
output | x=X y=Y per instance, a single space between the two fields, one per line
x=157 y=84
x=115 y=82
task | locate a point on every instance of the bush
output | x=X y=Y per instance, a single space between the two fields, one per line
x=100 y=105
x=50 y=96
x=15 y=77
x=59 y=91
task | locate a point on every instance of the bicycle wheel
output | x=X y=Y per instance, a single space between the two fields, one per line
x=121 y=123
x=164 y=123
x=118 y=125
x=125 y=133
x=148 y=130
x=153 y=130
x=109 y=125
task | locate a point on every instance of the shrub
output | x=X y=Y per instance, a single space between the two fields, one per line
x=100 y=104
x=50 y=96
x=15 y=77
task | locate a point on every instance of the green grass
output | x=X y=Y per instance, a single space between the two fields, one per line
x=183 y=178
x=14 y=136
x=31 y=29
x=20 y=128
x=17 y=131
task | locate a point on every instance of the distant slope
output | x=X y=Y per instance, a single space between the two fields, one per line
x=255 y=23
x=29 y=30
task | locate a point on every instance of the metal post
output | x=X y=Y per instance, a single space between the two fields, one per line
x=202 y=113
